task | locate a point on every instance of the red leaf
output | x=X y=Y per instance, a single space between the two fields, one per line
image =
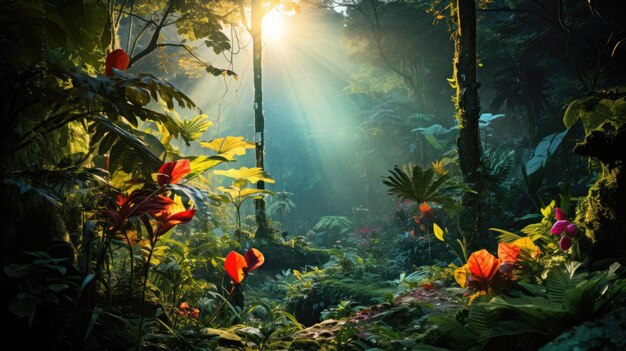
x=508 y=253
x=172 y=172
x=167 y=221
x=254 y=259
x=116 y=59
x=483 y=265
x=234 y=265
x=181 y=217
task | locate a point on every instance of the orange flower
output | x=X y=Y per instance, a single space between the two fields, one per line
x=117 y=59
x=425 y=210
x=183 y=306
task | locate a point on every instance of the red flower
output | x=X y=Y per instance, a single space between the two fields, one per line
x=237 y=266
x=172 y=172
x=117 y=59
x=254 y=258
x=234 y=265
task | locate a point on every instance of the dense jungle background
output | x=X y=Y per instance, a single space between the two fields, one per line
x=313 y=175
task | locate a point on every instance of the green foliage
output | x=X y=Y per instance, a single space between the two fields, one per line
x=539 y=314
x=333 y=224
x=343 y=309
x=598 y=108
x=413 y=183
x=281 y=204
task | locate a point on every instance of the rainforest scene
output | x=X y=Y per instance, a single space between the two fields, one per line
x=304 y=175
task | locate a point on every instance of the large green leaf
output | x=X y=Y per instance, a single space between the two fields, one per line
x=543 y=151
x=560 y=280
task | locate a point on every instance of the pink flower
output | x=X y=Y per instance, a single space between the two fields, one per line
x=559 y=226
x=571 y=230
x=565 y=243
x=563 y=226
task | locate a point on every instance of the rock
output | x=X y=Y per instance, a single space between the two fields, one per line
x=226 y=338
x=607 y=334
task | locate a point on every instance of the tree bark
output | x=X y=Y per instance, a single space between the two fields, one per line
x=256 y=14
x=467 y=107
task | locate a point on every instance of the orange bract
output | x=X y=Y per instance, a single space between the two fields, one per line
x=483 y=265
x=234 y=265
x=425 y=209
x=508 y=253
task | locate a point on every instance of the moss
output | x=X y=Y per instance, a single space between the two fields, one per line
x=280 y=256
x=305 y=345
x=226 y=338
x=602 y=214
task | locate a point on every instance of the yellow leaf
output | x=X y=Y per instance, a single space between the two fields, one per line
x=252 y=175
x=460 y=275
x=213 y=262
x=200 y=164
x=547 y=211
x=440 y=17
x=439 y=233
x=528 y=249
x=229 y=146
x=479 y=293
x=297 y=274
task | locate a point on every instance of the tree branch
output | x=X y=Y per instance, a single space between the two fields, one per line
x=155 y=36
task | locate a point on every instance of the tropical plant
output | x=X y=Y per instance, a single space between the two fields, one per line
x=238 y=193
x=412 y=183
x=339 y=224
x=538 y=313
x=281 y=204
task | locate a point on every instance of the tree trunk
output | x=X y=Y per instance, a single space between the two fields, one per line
x=467 y=109
x=257 y=13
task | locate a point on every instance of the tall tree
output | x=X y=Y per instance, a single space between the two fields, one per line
x=257 y=12
x=467 y=107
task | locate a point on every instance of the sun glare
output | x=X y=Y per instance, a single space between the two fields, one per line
x=273 y=24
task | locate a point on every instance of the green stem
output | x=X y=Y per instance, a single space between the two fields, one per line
x=232 y=291
x=143 y=291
